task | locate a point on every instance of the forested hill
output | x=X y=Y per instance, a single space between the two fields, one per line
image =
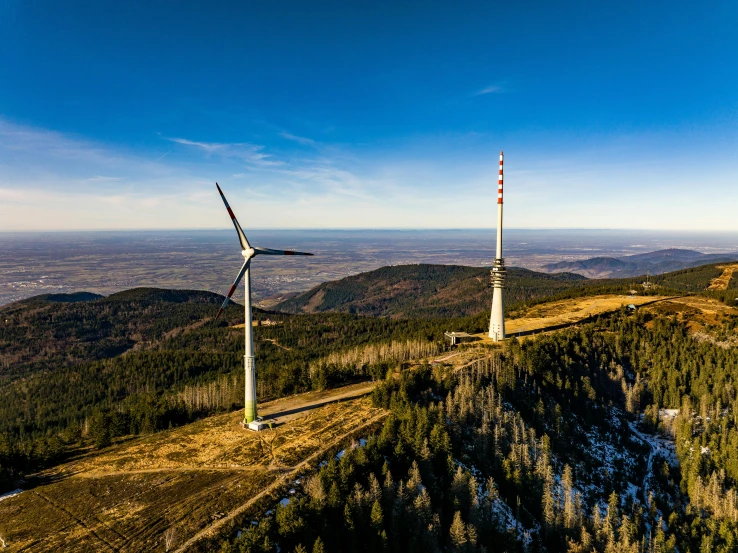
x=457 y=291
x=88 y=327
x=555 y=445
x=425 y=291
x=75 y=372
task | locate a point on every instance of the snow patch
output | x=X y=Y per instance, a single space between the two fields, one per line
x=10 y=494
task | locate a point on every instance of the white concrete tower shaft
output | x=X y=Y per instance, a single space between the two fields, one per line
x=250 y=412
x=497 y=317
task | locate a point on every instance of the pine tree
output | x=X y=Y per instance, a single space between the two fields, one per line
x=460 y=490
x=567 y=484
x=414 y=479
x=375 y=490
x=548 y=505
x=705 y=545
x=585 y=539
x=457 y=533
x=318 y=546
x=473 y=488
x=348 y=518
x=377 y=518
x=334 y=495
x=612 y=517
x=472 y=536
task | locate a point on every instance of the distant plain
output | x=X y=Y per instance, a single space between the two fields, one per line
x=110 y=261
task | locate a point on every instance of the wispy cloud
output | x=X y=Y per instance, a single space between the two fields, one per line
x=492 y=89
x=101 y=178
x=327 y=178
x=53 y=180
x=299 y=139
x=249 y=153
x=209 y=147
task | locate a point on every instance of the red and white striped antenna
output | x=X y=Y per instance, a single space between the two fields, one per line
x=499 y=179
x=499 y=206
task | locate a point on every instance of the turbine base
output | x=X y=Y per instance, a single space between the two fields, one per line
x=250 y=411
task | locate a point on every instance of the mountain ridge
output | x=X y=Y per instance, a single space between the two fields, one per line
x=654 y=263
x=424 y=290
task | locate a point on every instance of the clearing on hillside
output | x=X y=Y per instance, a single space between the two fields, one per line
x=721 y=282
x=706 y=318
x=158 y=492
x=558 y=314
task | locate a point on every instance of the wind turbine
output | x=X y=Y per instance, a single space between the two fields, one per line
x=248 y=253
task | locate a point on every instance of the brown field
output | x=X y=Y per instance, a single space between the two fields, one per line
x=702 y=316
x=695 y=304
x=552 y=315
x=697 y=311
x=190 y=481
x=721 y=282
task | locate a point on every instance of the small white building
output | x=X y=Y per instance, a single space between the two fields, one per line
x=456 y=338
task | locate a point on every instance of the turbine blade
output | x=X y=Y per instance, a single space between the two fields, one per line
x=268 y=251
x=239 y=230
x=233 y=287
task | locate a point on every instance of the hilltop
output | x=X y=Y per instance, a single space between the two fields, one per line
x=437 y=291
x=425 y=291
x=655 y=263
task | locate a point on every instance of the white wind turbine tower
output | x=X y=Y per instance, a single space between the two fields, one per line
x=248 y=252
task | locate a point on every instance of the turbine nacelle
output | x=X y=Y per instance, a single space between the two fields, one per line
x=247 y=251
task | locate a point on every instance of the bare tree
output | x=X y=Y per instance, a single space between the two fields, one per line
x=268 y=446
x=170 y=538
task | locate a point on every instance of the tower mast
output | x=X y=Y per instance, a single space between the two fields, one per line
x=497 y=317
x=250 y=412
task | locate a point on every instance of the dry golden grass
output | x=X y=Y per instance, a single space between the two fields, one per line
x=126 y=497
x=704 y=305
x=551 y=315
x=699 y=313
x=721 y=282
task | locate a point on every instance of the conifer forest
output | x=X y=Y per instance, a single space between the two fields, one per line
x=615 y=434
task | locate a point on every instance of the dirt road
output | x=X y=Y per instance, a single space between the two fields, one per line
x=289 y=408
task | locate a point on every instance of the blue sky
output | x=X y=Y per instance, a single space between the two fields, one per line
x=368 y=114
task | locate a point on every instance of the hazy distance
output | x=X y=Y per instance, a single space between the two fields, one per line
x=106 y=262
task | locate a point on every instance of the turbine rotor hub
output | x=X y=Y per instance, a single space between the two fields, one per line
x=248 y=253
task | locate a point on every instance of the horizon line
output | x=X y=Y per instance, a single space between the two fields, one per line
x=364 y=229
